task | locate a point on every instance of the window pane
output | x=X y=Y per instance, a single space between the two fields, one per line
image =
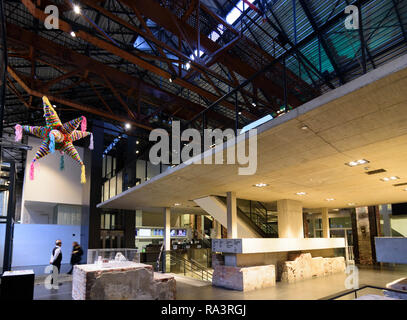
x=112 y=187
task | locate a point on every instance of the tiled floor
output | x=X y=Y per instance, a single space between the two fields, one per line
x=189 y=289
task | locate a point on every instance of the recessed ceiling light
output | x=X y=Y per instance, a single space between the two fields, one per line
x=137 y=152
x=330 y=199
x=73 y=34
x=260 y=185
x=137 y=142
x=127 y=126
x=76 y=9
x=177 y=204
x=304 y=127
x=301 y=193
x=357 y=162
x=390 y=178
x=351 y=204
x=239 y=113
x=254 y=104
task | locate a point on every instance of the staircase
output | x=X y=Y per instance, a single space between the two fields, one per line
x=187 y=267
x=258 y=217
x=254 y=220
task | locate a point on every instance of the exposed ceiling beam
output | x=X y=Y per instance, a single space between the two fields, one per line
x=66 y=27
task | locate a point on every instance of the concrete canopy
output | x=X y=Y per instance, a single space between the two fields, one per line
x=306 y=150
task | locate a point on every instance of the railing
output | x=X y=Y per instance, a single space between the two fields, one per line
x=205 y=241
x=258 y=215
x=187 y=267
x=355 y=292
x=350 y=257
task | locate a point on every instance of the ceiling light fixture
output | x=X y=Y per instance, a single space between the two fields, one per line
x=392 y=178
x=172 y=78
x=351 y=204
x=357 y=162
x=76 y=9
x=73 y=34
x=127 y=126
x=188 y=65
x=137 y=142
x=177 y=204
x=260 y=185
x=301 y=193
x=330 y=199
x=254 y=104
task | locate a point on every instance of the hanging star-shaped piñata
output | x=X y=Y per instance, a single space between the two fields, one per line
x=57 y=136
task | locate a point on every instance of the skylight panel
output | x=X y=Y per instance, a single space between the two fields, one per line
x=237 y=11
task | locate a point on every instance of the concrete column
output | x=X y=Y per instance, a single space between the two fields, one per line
x=325 y=223
x=167 y=229
x=167 y=239
x=290 y=219
x=231 y=215
x=386 y=220
x=139 y=218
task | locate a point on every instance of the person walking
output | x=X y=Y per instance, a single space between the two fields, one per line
x=56 y=256
x=76 y=255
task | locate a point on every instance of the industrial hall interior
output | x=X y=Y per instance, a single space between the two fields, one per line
x=203 y=150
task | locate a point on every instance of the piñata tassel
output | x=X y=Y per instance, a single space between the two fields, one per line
x=51 y=143
x=19 y=132
x=83 y=176
x=32 y=171
x=91 y=141
x=62 y=163
x=83 y=124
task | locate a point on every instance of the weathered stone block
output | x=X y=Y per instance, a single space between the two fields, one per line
x=317 y=267
x=244 y=278
x=121 y=281
x=298 y=269
x=304 y=267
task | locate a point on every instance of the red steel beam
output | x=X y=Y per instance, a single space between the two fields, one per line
x=66 y=27
x=165 y=18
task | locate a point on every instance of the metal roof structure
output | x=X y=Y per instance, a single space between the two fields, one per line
x=137 y=61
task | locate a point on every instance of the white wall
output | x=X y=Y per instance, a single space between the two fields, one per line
x=399 y=224
x=2 y=240
x=33 y=243
x=50 y=184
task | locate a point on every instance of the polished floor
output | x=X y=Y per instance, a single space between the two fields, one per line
x=312 y=289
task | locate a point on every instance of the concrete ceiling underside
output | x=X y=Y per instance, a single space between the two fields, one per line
x=364 y=119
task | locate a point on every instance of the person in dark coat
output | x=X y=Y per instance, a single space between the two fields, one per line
x=76 y=255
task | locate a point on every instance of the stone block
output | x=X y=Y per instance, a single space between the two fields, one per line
x=304 y=266
x=244 y=278
x=121 y=281
x=298 y=269
x=338 y=264
x=317 y=267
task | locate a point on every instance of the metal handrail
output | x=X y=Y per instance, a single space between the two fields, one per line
x=350 y=291
x=194 y=267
